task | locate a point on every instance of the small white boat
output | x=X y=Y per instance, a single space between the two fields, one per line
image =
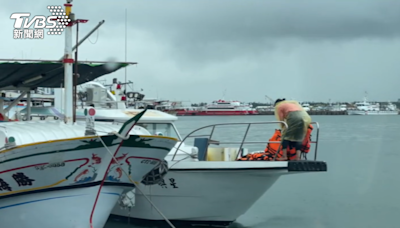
x=200 y=166
x=366 y=108
x=209 y=181
x=306 y=106
x=337 y=107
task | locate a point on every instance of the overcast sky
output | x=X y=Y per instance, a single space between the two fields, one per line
x=194 y=50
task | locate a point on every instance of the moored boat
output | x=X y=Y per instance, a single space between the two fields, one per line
x=204 y=177
x=56 y=173
x=224 y=108
x=216 y=108
x=54 y=165
x=366 y=108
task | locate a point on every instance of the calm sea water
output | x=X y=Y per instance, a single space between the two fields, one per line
x=360 y=190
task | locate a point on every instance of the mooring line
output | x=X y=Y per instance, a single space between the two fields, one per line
x=130 y=179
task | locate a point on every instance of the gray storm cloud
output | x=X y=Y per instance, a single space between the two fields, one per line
x=242 y=20
x=195 y=49
x=199 y=28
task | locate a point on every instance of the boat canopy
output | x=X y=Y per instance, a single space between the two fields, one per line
x=17 y=75
x=116 y=115
x=26 y=132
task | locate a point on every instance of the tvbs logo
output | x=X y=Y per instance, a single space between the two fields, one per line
x=55 y=24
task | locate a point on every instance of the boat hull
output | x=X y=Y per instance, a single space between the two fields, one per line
x=137 y=157
x=204 y=195
x=363 y=113
x=49 y=180
x=61 y=182
x=66 y=208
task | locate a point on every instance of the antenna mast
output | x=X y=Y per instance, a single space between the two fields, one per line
x=68 y=61
x=126 y=50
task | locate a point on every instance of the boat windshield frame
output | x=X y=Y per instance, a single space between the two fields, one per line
x=173 y=128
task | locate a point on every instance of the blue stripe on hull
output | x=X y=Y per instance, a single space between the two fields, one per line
x=52 y=198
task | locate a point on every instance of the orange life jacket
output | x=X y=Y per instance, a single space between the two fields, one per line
x=273 y=147
x=306 y=145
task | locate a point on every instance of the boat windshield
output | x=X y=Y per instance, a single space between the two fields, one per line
x=164 y=129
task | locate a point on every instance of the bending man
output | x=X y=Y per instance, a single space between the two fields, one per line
x=297 y=120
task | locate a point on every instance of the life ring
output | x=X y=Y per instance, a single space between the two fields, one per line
x=173 y=104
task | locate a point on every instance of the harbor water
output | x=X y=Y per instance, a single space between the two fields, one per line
x=360 y=189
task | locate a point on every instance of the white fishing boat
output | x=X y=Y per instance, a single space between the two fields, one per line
x=60 y=173
x=306 y=106
x=208 y=180
x=54 y=165
x=366 y=108
x=337 y=107
x=197 y=166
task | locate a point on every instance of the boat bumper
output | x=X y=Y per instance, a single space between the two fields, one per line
x=307 y=166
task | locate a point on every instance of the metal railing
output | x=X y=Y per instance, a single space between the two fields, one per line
x=243 y=141
x=102 y=104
